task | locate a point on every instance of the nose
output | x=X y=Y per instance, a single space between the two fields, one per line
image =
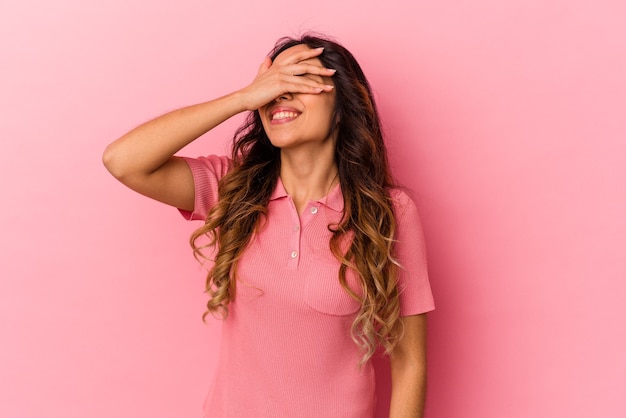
x=283 y=97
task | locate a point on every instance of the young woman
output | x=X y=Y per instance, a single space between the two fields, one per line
x=315 y=258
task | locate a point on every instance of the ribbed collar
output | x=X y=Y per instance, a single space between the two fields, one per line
x=334 y=199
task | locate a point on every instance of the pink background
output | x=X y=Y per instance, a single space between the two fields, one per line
x=508 y=119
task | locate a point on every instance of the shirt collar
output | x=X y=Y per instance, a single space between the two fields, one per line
x=334 y=199
x=279 y=190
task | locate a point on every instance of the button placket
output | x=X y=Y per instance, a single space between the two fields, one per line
x=294 y=238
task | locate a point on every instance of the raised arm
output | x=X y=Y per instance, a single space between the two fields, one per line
x=143 y=159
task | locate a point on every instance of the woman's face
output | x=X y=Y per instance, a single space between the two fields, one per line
x=297 y=119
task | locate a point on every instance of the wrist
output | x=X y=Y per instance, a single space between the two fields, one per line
x=241 y=101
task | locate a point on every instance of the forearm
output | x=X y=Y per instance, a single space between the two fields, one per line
x=408 y=391
x=147 y=147
x=408 y=370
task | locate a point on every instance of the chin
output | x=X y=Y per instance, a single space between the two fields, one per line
x=282 y=142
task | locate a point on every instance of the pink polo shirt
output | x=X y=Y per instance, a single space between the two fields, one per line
x=286 y=349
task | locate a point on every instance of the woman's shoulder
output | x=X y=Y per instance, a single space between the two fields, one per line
x=404 y=206
x=401 y=198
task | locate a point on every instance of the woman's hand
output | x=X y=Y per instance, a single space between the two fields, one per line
x=283 y=76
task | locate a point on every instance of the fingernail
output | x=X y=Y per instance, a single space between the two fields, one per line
x=321 y=48
x=329 y=86
x=332 y=70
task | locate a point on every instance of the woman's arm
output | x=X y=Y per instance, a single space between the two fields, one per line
x=408 y=370
x=143 y=158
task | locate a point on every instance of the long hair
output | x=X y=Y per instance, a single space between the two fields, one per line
x=368 y=217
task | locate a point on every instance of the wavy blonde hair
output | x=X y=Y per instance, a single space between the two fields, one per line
x=368 y=215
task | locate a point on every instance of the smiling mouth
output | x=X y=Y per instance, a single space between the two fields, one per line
x=284 y=115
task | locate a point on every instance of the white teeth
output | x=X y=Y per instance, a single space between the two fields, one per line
x=284 y=115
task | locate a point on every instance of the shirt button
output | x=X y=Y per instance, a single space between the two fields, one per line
x=296 y=227
x=294 y=254
x=313 y=210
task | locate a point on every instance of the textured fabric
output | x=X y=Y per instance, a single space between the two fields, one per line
x=286 y=347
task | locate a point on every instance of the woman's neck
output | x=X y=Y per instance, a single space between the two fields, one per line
x=308 y=175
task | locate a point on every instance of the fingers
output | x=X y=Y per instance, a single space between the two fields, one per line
x=293 y=64
x=302 y=69
x=288 y=74
x=303 y=78
x=297 y=84
x=301 y=55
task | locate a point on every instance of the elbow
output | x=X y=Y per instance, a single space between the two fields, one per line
x=107 y=157
x=112 y=161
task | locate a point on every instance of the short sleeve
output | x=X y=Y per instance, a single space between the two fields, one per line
x=207 y=172
x=415 y=293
